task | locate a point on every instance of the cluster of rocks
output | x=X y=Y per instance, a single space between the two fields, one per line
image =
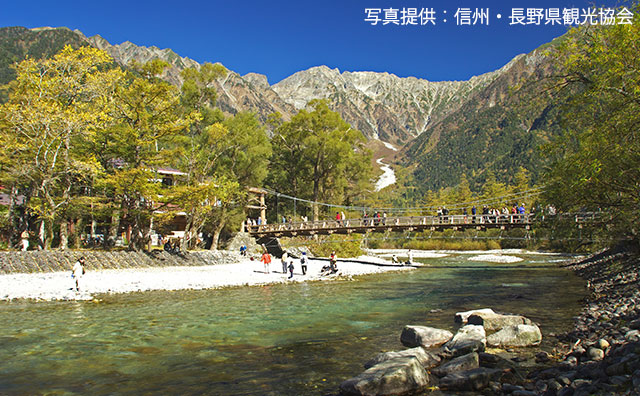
x=438 y=359
x=601 y=355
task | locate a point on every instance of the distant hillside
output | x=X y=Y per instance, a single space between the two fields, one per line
x=16 y=43
x=499 y=127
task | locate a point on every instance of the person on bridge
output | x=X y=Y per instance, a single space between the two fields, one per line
x=266 y=259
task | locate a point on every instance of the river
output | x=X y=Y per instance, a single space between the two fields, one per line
x=296 y=339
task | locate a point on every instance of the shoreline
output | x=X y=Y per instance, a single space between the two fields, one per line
x=59 y=286
x=108 y=274
x=601 y=354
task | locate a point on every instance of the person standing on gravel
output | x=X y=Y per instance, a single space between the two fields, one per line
x=303 y=263
x=284 y=262
x=78 y=271
x=266 y=259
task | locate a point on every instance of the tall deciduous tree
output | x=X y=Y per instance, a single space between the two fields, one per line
x=318 y=155
x=597 y=161
x=198 y=152
x=148 y=117
x=56 y=105
x=244 y=158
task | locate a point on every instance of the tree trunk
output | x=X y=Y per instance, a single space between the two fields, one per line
x=12 y=225
x=218 y=230
x=316 y=193
x=184 y=243
x=77 y=233
x=64 y=234
x=113 y=228
x=41 y=235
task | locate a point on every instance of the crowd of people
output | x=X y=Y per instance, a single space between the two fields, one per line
x=287 y=263
x=516 y=213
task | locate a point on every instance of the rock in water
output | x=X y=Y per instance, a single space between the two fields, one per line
x=494 y=322
x=461 y=363
x=428 y=337
x=427 y=359
x=469 y=380
x=470 y=338
x=516 y=336
x=462 y=317
x=392 y=377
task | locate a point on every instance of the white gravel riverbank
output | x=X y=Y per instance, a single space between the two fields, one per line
x=60 y=286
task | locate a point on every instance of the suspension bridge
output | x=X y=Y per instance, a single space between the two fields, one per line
x=404 y=223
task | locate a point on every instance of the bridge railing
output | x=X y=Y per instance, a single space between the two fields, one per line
x=394 y=222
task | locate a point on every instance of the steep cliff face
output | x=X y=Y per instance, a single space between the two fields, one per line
x=382 y=105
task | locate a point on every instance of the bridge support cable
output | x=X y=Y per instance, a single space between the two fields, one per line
x=523 y=195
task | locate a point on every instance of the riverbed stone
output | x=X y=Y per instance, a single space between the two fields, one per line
x=469 y=380
x=461 y=363
x=492 y=321
x=468 y=339
x=426 y=358
x=603 y=344
x=516 y=336
x=392 y=377
x=595 y=354
x=462 y=317
x=428 y=337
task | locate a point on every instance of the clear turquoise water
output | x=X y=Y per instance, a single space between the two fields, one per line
x=299 y=339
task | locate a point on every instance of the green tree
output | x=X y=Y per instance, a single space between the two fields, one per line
x=55 y=106
x=319 y=156
x=244 y=158
x=597 y=160
x=149 y=119
x=198 y=150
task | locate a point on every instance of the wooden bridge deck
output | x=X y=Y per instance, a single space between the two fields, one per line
x=415 y=223
x=399 y=224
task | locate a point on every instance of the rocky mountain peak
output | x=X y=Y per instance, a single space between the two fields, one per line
x=258 y=80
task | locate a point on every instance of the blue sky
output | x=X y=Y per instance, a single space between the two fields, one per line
x=279 y=37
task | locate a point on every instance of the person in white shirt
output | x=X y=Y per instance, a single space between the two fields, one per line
x=410 y=257
x=78 y=271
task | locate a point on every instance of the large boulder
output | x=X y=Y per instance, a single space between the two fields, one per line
x=392 y=377
x=492 y=321
x=427 y=359
x=461 y=363
x=428 y=337
x=462 y=317
x=469 y=380
x=516 y=336
x=468 y=339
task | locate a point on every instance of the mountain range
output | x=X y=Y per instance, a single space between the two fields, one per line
x=444 y=128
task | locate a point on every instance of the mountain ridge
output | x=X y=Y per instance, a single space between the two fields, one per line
x=426 y=118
